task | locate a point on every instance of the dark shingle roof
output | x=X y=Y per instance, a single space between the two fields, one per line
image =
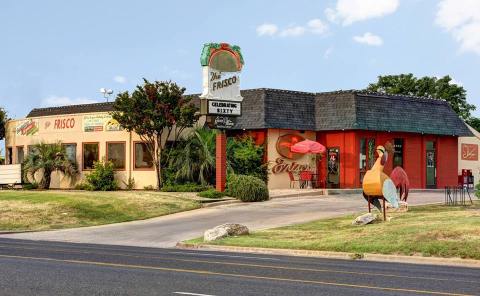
x=339 y=110
x=72 y=109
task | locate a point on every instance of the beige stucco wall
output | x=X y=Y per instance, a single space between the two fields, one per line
x=281 y=180
x=473 y=165
x=75 y=134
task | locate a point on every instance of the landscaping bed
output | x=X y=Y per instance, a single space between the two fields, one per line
x=433 y=230
x=43 y=210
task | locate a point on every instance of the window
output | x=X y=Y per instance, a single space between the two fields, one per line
x=90 y=155
x=143 y=158
x=398 y=152
x=20 y=154
x=9 y=157
x=71 y=152
x=363 y=153
x=116 y=154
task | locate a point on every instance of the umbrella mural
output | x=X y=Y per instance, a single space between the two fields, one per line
x=308 y=146
x=285 y=143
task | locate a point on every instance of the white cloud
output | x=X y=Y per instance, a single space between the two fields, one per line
x=462 y=19
x=316 y=26
x=327 y=53
x=120 y=79
x=294 y=31
x=52 y=101
x=349 y=11
x=369 y=39
x=267 y=30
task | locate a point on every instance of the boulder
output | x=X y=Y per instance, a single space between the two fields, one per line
x=224 y=230
x=365 y=219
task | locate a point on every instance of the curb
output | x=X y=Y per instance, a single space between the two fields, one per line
x=457 y=262
x=219 y=203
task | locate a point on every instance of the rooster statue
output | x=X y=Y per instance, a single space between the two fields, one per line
x=379 y=186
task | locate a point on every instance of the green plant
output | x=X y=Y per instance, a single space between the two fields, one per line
x=47 y=158
x=246 y=158
x=247 y=188
x=130 y=184
x=102 y=178
x=195 y=161
x=188 y=187
x=211 y=193
x=155 y=111
x=149 y=187
x=30 y=186
x=477 y=190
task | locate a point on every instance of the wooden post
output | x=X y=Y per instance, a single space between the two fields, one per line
x=221 y=160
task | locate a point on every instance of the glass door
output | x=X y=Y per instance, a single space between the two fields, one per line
x=431 y=165
x=333 y=167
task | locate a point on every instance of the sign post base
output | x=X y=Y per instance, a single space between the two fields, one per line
x=221 y=160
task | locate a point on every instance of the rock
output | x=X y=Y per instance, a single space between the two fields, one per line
x=365 y=219
x=224 y=230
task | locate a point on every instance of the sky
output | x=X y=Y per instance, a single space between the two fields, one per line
x=63 y=52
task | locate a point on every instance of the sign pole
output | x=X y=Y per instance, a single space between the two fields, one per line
x=221 y=160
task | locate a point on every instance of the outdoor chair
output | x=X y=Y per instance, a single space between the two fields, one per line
x=305 y=179
x=293 y=180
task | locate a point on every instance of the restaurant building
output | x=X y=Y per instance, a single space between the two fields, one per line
x=350 y=124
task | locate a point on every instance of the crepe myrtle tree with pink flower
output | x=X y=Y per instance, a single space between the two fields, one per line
x=156 y=111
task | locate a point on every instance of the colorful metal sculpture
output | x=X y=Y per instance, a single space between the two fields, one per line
x=378 y=186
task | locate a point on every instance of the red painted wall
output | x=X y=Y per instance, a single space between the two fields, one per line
x=414 y=156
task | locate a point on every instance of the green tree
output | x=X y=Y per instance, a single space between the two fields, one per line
x=432 y=87
x=195 y=160
x=48 y=158
x=155 y=111
x=244 y=157
x=3 y=122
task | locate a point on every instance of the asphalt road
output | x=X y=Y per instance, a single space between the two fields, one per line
x=166 y=231
x=54 y=268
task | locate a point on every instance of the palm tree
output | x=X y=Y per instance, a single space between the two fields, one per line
x=47 y=158
x=196 y=160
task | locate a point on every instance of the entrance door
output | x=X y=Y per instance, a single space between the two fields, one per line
x=431 y=165
x=333 y=168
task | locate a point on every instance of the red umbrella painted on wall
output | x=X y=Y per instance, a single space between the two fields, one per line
x=308 y=146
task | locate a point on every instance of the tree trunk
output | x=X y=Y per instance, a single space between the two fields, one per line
x=47 y=177
x=158 y=163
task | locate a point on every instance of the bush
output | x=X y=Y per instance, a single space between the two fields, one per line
x=188 y=187
x=246 y=158
x=247 y=188
x=149 y=187
x=212 y=193
x=102 y=178
x=477 y=190
x=30 y=186
x=130 y=184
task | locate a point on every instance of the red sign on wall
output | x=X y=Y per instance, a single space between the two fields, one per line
x=469 y=151
x=65 y=123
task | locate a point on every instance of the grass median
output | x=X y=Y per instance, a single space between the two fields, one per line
x=433 y=230
x=44 y=210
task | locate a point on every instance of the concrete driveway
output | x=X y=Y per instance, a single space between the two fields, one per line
x=166 y=231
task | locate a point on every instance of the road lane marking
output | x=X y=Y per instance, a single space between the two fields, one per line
x=221 y=255
x=246 y=276
x=245 y=264
x=193 y=294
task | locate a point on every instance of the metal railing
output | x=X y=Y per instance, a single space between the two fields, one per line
x=457 y=195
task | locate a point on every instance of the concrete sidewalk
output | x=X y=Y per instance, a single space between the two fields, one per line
x=166 y=231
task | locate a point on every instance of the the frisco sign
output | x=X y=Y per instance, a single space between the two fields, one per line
x=224 y=108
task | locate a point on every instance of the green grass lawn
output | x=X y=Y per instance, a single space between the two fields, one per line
x=434 y=230
x=42 y=210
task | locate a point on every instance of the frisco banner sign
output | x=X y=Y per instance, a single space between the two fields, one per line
x=224 y=108
x=222 y=86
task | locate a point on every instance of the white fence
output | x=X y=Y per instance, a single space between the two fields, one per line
x=10 y=174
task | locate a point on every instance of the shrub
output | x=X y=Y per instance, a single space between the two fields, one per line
x=188 y=187
x=477 y=190
x=247 y=188
x=30 y=186
x=130 y=184
x=102 y=178
x=149 y=187
x=84 y=186
x=246 y=158
x=212 y=193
